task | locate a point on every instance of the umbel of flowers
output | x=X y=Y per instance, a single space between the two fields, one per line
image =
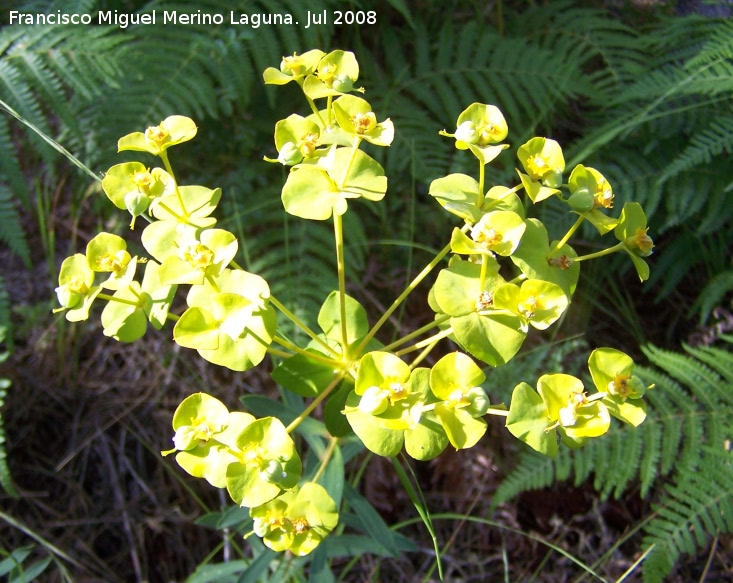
x=499 y=277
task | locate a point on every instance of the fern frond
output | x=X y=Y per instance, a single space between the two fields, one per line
x=699 y=505
x=703 y=147
x=5 y=480
x=685 y=438
x=11 y=232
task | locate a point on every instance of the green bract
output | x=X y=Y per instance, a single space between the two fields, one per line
x=455 y=380
x=355 y=117
x=497 y=232
x=134 y=187
x=173 y=130
x=459 y=194
x=76 y=290
x=267 y=463
x=335 y=75
x=318 y=191
x=544 y=164
x=538 y=303
x=198 y=258
x=293 y=68
x=296 y=138
x=589 y=193
x=228 y=320
x=107 y=253
x=561 y=406
x=612 y=372
x=297 y=521
x=478 y=127
x=632 y=232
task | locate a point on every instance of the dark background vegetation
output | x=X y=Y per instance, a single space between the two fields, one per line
x=640 y=90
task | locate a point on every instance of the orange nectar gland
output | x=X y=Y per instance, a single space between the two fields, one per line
x=643 y=241
x=308 y=143
x=143 y=180
x=529 y=307
x=198 y=256
x=116 y=262
x=364 y=122
x=485 y=301
x=158 y=135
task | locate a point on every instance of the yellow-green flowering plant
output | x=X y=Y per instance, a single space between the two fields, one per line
x=500 y=278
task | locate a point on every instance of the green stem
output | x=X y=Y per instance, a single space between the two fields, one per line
x=566 y=238
x=167 y=209
x=213 y=283
x=326 y=457
x=601 y=253
x=302 y=325
x=110 y=298
x=484 y=271
x=329 y=110
x=400 y=341
x=276 y=352
x=317 y=401
x=310 y=355
x=168 y=168
x=173 y=317
x=481 y=180
x=338 y=226
x=408 y=290
x=420 y=357
x=418 y=345
x=354 y=149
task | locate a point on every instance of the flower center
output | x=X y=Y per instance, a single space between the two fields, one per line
x=644 y=241
x=569 y=414
x=604 y=195
x=308 y=143
x=143 y=180
x=158 y=135
x=537 y=167
x=563 y=262
x=619 y=386
x=485 y=301
x=77 y=284
x=198 y=256
x=487 y=133
x=116 y=262
x=529 y=307
x=363 y=122
x=300 y=525
x=292 y=65
x=326 y=74
x=398 y=390
x=487 y=238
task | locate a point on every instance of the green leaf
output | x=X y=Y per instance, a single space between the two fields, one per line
x=125 y=322
x=532 y=258
x=302 y=375
x=528 y=420
x=457 y=289
x=329 y=318
x=197 y=329
x=492 y=338
x=371 y=522
x=462 y=428
x=458 y=194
